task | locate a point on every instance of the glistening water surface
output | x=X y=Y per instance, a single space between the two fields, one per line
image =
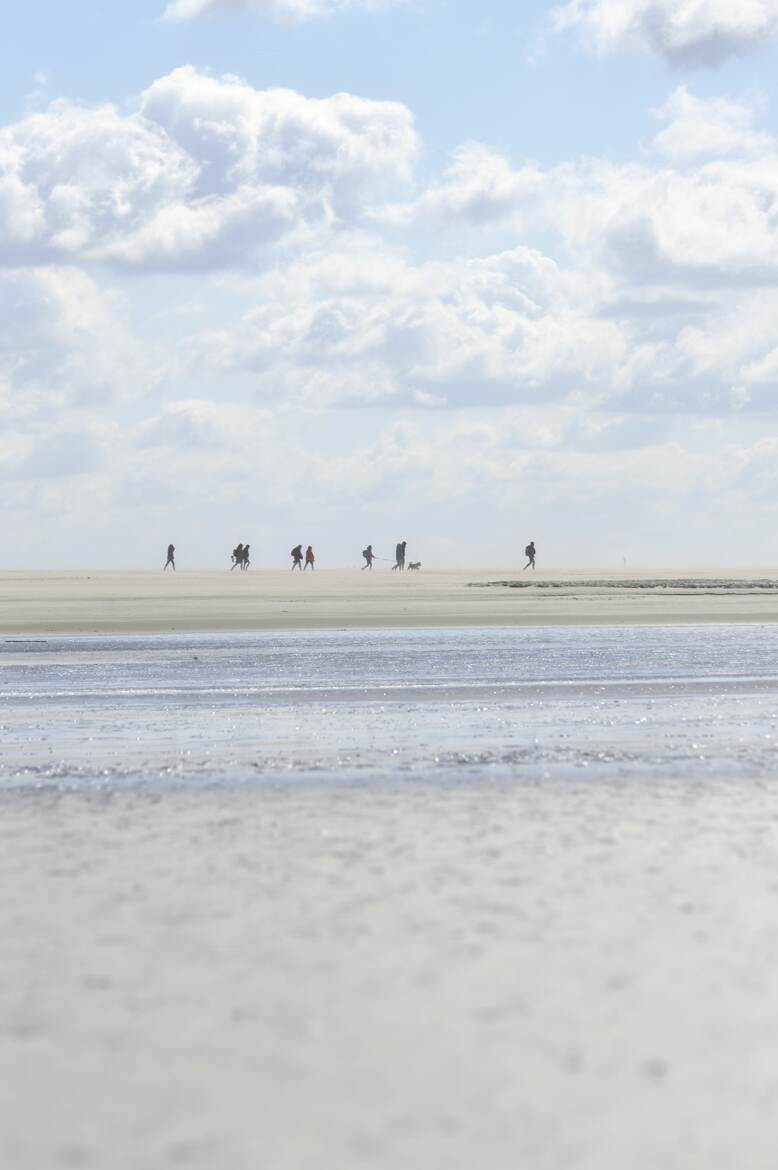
x=371 y=703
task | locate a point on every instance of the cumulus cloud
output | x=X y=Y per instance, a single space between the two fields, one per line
x=206 y=172
x=711 y=225
x=692 y=31
x=708 y=128
x=296 y=9
x=479 y=186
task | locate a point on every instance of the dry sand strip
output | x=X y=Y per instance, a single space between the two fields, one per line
x=36 y=604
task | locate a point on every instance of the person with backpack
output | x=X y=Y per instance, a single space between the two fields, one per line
x=297 y=557
x=529 y=552
x=369 y=556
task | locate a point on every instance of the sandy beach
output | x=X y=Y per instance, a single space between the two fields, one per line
x=38 y=603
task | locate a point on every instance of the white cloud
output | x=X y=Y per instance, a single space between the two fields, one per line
x=207 y=172
x=366 y=327
x=70 y=367
x=714 y=224
x=479 y=186
x=237 y=134
x=733 y=348
x=296 y=9
x=64 y=344
x=708 y=128
x=692 y=31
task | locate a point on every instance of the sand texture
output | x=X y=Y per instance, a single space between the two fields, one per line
x=37 y=603
x=392 y=977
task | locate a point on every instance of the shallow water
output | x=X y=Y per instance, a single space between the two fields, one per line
x=417 y=703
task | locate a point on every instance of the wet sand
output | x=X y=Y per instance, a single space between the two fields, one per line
x=39 y=603
x=615 y=701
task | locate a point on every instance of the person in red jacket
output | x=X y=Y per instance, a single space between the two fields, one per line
x=369 y=556
x=309 y=557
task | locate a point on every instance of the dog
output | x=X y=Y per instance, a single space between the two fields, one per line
x=414 y=565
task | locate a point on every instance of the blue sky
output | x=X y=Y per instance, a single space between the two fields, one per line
x=491 y=71
x=516 y=282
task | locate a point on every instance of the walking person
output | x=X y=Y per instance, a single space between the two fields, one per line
x=171 y=557
x=237 y=557
x=309 y=558
x=369 y=556
x=297 y=557
x=399 y=556
x=529 y=552
x=245 y=558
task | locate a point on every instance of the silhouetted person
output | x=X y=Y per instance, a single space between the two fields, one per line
x=399 y=556
x=369 y=556
x=245 y=558
x=171 y=557
x=529 y=552
x=237 y=557
x=297 y=557
x=309 y=557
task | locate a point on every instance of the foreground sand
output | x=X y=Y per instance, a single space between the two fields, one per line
x=390 y=977
x=38 y=603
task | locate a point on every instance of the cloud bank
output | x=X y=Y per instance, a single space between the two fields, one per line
x=336 y=338
x=508 y=328
x=699 y=208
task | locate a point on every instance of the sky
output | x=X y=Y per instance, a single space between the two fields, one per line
x=359 y=271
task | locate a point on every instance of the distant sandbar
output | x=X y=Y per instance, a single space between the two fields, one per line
x=40 y=604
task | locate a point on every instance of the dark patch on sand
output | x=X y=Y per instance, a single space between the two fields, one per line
x=659 y=585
